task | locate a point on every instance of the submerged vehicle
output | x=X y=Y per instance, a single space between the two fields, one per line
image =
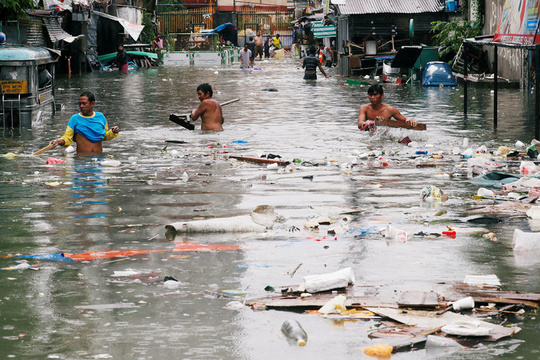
x=438 y=73
x=26 y=83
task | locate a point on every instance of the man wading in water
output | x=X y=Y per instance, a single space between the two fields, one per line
x=209 y=110
x=88 y=128
x=310 y=64
x=376 y=110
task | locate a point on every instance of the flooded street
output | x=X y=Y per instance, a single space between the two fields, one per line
x=118 y=308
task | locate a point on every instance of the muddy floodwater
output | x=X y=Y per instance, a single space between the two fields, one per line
x=118 y=308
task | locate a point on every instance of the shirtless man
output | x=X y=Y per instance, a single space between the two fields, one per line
x=258 y=45
x=376 y=110
x=88 y=128
x=209 y=110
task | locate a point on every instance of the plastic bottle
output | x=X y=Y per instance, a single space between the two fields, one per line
x=294 y=331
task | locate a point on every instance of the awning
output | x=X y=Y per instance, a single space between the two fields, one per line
x=56 y=33
x=320 y=31
x=133 y=30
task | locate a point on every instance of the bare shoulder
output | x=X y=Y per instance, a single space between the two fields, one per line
x=391 y=109
x=365 y=108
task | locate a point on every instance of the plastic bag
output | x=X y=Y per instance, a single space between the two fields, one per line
x=380 y=351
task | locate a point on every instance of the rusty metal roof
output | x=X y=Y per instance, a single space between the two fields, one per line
x=358 y=7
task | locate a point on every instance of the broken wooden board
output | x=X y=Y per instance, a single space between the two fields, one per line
x=474 y=291
x=397 y=331
x=429 y=319
x=314 y=302
x=182 y=120
x=419 y=299
x=400 y=124
x=506 y=301
x=260 y=160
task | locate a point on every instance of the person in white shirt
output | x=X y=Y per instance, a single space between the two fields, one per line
x=245 y=57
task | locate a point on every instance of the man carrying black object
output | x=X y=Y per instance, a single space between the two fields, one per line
x=310 y=63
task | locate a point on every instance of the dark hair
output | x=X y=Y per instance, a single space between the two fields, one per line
x=376 y=88
x=321 y=44
x=90 y=95
x=312 y=51
x=251 y=38
x=205 y=88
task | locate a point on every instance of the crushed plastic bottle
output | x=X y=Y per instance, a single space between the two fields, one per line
x=295 y=332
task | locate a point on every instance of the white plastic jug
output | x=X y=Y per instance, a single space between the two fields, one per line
x=525 y=241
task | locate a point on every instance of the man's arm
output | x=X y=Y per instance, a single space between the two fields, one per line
x=322 y=70
x=200 y=110
x=362 y=116
x=398 y=116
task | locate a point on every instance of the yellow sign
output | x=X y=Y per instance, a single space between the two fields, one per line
x=44 y=97
x=14 y=86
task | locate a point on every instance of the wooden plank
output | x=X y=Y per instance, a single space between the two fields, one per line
x=314 y=302
x=419 y=299
x=491 y=292
x=505 y=301
x=260 y=160
x=430 y=319
x=400 y=124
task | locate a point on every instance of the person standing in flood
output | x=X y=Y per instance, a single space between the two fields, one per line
x=209 y=110
x=88 y=128
x=376 y=110
x=245 y=57
x=310 y=63
x=258 y=45
x=122 y=60
x=251 y=46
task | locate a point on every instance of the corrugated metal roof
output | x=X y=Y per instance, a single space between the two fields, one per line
x=354 y=7
x=56 y=33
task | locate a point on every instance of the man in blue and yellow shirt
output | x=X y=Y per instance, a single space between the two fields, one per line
x=88 y=128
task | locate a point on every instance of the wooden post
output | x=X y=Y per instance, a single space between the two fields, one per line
x=536 y=92
x=465 y=76
x=495 y=86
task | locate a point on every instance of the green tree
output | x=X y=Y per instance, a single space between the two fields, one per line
x=149 y=31
x=451 y=34
x=14 y=9
x=170 y=6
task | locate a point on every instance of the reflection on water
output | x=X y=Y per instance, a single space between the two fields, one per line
x=96 y=207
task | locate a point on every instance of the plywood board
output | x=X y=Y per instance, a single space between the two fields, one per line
x=430 y=319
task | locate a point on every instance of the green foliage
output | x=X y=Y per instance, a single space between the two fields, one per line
x=171 y=6
x=149 y=32
x=13 y=9
x=452 y=33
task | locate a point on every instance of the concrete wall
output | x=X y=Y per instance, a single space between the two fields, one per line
x=512 y=62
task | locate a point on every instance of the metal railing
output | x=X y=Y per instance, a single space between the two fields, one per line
x=193 y=42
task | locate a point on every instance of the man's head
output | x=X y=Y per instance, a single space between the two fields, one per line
x=246 y=47
x=251 y=38
x=321 y=46
x=120 y=47
x=204 y=91
x=258 y=33
x=312 y=51
x=277 y=36
x=375 y=89
x=375 y=93
x=87 y=101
